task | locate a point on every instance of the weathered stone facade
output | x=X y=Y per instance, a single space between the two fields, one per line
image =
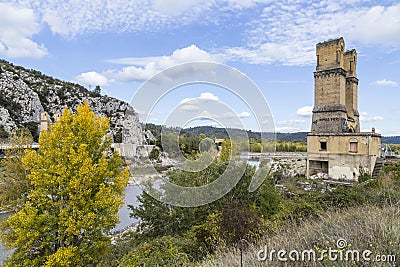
x=335 y=89
x=335 y=145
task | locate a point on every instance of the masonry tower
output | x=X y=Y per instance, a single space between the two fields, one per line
x=335 y=89
x=335 y=145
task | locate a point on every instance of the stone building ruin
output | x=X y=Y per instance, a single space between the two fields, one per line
x=335 y=146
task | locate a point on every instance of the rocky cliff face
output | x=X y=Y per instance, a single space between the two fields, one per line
x=24 y=94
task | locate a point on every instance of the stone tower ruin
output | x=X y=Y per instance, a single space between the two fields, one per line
x=336 y=147
x=335 y=89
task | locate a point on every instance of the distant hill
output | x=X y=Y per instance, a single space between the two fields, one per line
x=299 y=136
x=213 y=132
x=391 y=139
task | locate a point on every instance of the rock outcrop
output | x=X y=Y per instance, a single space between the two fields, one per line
x=24 y=94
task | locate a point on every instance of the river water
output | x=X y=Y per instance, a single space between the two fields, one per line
x=131 y=193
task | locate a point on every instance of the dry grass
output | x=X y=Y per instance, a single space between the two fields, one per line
x=364 y=228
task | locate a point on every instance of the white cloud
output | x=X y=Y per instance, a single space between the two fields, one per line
x=72 y=18
x=364 y=117
x=287 y=31
x=385 y=82
x=209 y=115
x=371 y=119
x=289 y=54
x=279 y=31
x=291 y=122
x=305 y=111
x=203 y=109
x=378 y=24
x=144 y=68
x=56 y=23
x=240 y=4
x=207 y=96
x=174 y=8
x=289 y=129
x=388 y=132
x=17 y=26
x=92 y=78
x=189 y=108
x=244 y=114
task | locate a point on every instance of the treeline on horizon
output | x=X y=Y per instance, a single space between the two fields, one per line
x=214 y=132
x=190 y=138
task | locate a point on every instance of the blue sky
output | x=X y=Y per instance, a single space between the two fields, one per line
x=120 y=44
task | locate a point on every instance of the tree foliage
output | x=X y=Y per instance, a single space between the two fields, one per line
x=392 y=172
x=228 y=151
x=163 y=251
x=14 y=184
x=76 y=190
x=239 y=210
x=3 y=133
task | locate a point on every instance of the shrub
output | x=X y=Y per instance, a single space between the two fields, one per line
x=163 y=251
x=3 y=133
x=364 y=177
x=154 y=154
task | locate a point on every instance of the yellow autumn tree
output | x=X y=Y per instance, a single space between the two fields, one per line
x=76 y=188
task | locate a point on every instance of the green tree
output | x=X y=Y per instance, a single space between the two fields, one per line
x=392 y=172
x=14 y=184
x=159 y=219
x=163 y=251
x=97 y=90
x=3 y=132
x=118 y=137
x=154 y=154
x=76 y=189
x=228 y=151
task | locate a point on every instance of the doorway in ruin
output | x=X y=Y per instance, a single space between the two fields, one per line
x=318 y=166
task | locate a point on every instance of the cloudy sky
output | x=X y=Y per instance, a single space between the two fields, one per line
x=119 y=44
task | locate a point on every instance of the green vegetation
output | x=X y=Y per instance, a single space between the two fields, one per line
x=32 y=127
x=74 y=188
x=178 y=236
x=14 y=184
x=97 y=90
x=291 y=146
x=66 y=199
x=213 y=132
x=189 y=140
x=363 y=228
x=3 y=133
x=118 y=137
x=365 y=215
x=257 y=146
x=395 y=147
